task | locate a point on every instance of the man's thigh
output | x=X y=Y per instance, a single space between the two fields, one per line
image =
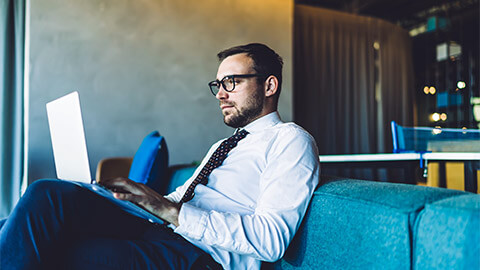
x=158 y=248
x=107 y=253
x=79 y=211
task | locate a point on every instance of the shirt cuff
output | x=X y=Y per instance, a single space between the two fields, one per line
x=193 y=222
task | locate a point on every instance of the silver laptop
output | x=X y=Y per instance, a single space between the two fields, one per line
x=68 y=139
x=70 y=151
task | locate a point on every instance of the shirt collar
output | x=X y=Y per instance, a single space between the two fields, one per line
x=263 y=122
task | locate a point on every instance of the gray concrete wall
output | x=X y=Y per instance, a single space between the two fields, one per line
x=143 y=65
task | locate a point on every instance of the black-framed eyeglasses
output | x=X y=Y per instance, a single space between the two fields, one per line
x=228 y=82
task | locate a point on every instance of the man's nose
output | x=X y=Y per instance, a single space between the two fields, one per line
x=222 y=94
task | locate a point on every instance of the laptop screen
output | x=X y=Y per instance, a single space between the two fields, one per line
x=68 y=138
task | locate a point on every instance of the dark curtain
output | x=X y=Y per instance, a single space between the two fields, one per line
x=353 y=75
x=12 y=36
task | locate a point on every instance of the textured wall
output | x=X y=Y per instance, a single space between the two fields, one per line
x=143 y=65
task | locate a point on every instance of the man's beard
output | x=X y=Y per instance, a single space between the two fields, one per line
x=247 y=114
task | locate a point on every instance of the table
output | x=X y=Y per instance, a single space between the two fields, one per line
x=471 y=163
x=409 y=162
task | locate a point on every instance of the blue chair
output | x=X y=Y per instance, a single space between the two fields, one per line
x=424 y=140
x=428 y=139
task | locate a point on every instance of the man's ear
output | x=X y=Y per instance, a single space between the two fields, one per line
x=271 y=86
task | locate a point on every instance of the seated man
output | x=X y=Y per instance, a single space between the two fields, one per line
x=242 y=206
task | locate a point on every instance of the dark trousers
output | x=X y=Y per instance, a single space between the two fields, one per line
x=59 y=225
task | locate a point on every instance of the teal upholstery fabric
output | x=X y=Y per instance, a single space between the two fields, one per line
x=150 y=163
x=179 y=175
x=448 y=234
x=356 y=224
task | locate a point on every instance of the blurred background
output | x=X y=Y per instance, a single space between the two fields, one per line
x=444 y=36
x=413 y=62
x=351 y=67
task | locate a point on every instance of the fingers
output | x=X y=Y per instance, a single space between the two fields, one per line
x=113 y=181
x=151 y=201
x=120 y=184
x=128 y=197
x=140 y=200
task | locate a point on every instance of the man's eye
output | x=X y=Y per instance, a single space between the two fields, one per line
x=228 y=81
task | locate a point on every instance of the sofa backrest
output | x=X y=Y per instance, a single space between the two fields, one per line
x=178 y=175
x=357 y=224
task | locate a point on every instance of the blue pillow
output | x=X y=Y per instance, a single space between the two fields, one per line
x=150 y=163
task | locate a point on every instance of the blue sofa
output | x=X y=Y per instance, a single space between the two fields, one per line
x=358 y=224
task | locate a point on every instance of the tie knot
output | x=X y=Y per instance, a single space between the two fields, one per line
x=240 y=134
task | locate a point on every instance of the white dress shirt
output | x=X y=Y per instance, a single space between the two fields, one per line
x=254 y=202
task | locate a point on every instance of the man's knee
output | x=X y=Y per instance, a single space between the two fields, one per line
x=47 y=184
x=50 y=187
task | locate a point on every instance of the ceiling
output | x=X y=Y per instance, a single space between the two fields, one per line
x=406 y=13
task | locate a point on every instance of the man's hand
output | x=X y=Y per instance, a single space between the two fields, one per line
x=128 y=190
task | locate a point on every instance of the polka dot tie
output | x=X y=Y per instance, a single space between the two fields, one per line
x=215 y=160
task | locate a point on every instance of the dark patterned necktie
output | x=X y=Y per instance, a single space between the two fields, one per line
x=215 y=160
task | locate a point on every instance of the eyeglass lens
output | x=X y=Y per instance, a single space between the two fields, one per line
x=228 y=84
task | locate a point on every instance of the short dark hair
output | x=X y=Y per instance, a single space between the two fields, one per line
x=265 y=60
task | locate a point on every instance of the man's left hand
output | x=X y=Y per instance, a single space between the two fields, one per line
x=128 y=190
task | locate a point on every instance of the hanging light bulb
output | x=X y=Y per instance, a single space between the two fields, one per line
x=443 y=116
x=426 y=90
x=435 y=117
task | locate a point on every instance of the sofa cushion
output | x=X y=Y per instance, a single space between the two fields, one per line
x=179 y=175
x=448 y=234
x=150 y=163
x=356 y=224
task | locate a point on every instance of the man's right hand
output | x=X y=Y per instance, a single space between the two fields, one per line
x=128 y=190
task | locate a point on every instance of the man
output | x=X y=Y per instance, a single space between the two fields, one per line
x=242 y=206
